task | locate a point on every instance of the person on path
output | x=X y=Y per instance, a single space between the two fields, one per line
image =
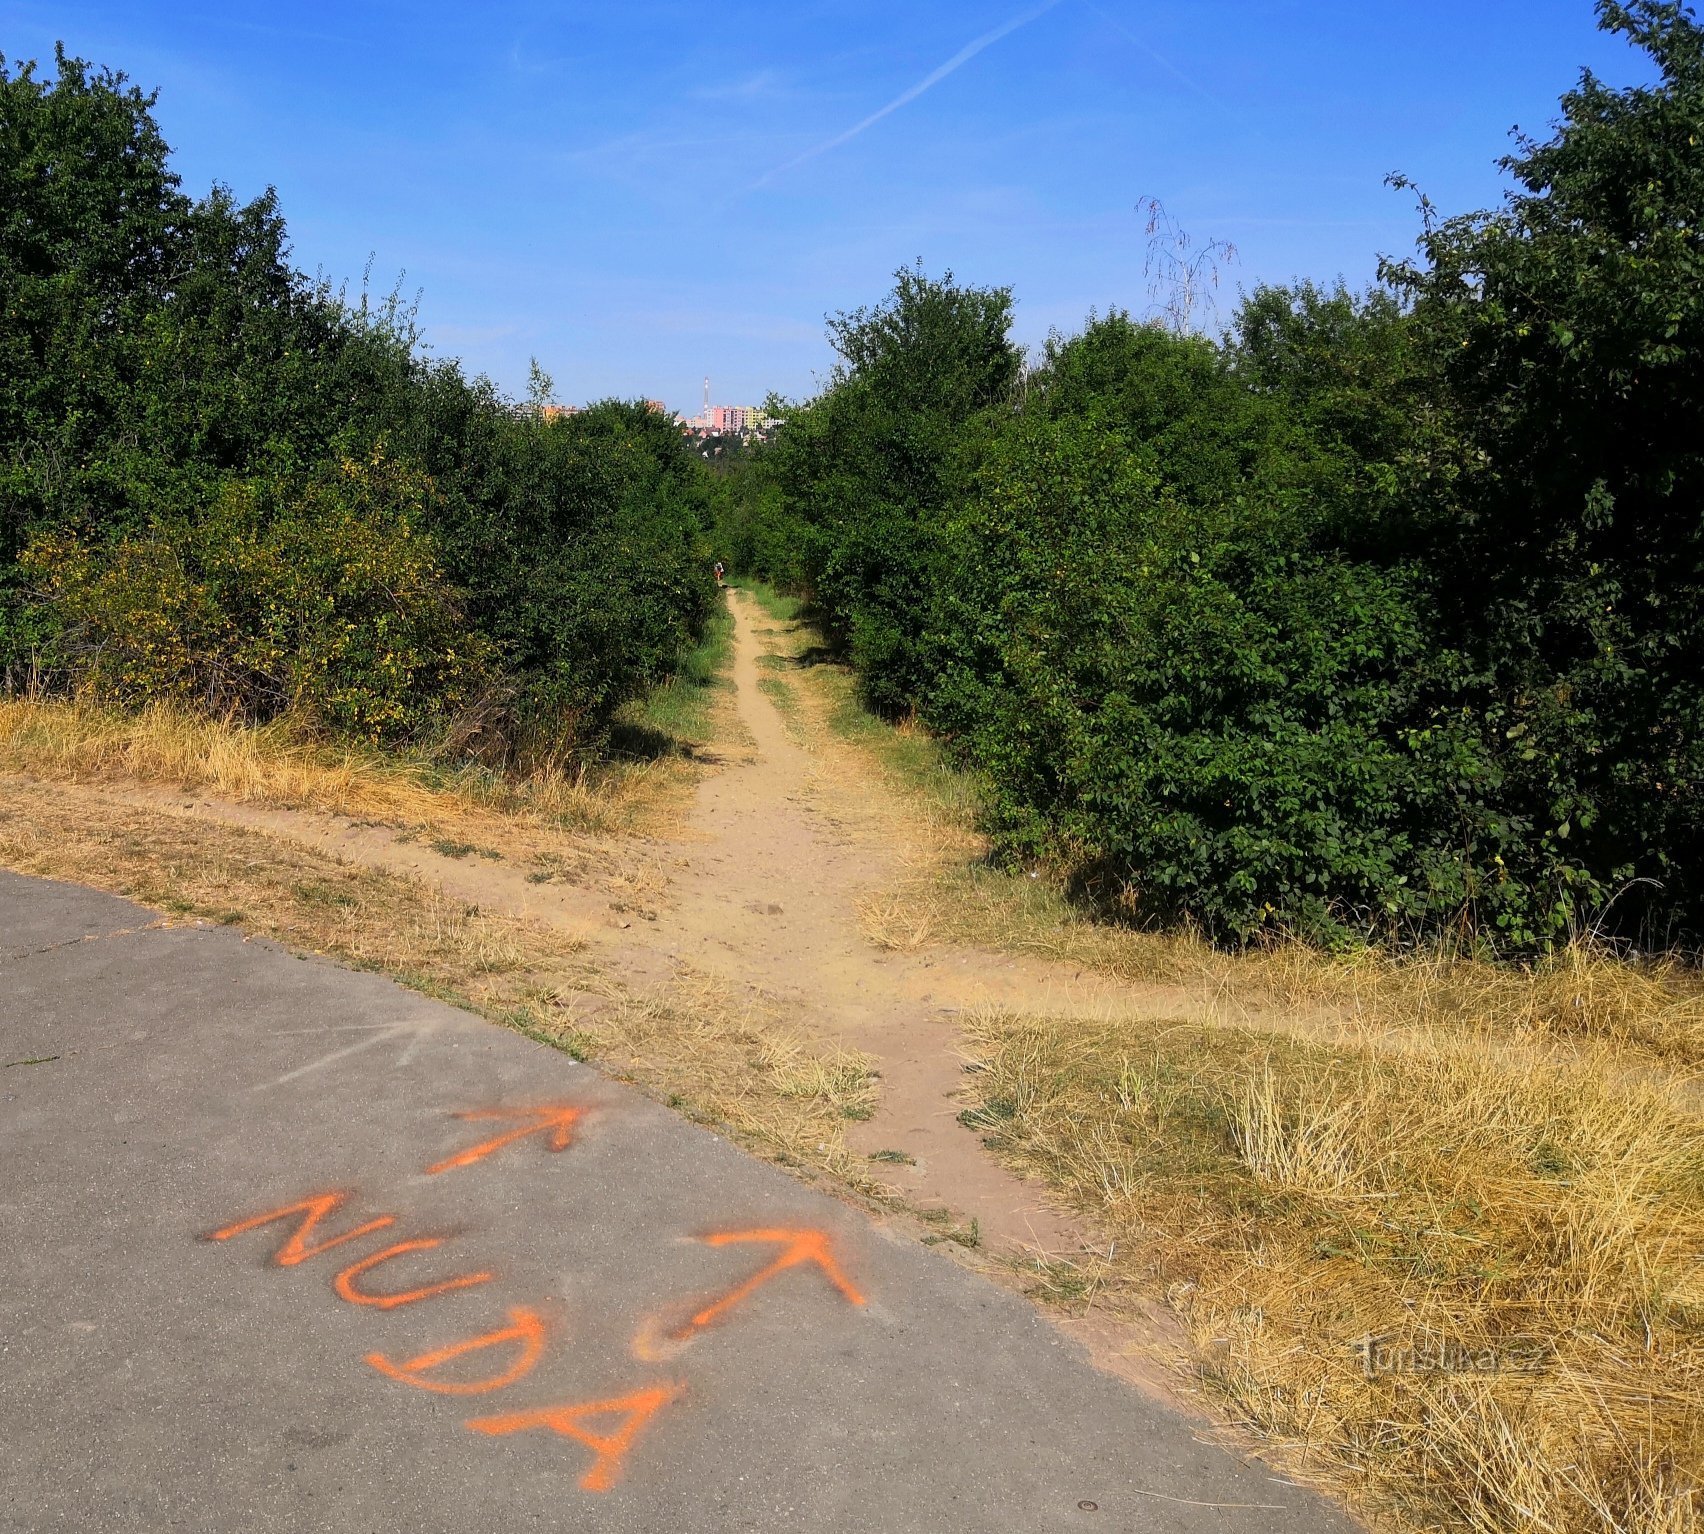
x=719 y=572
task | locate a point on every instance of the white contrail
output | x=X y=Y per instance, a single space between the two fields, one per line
x=1152 y=52
x=905 y=98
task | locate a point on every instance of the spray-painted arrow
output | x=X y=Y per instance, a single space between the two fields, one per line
x=799 y=1247
x=377 y=1033
x=559 y=1120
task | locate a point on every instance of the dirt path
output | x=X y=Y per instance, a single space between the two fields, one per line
x=758 y=888
x=768 y=900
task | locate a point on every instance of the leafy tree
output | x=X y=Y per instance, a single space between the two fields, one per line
x=168 y=378
x=1569 y=326
x=90 y=216
x=866 y=471
x=1173 y=396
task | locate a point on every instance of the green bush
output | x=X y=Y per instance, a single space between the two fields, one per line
x=1568 y=327
x=321 y=599
x=168 y=379
x=868 y=469
x=1190 y=708
x=1379 y=615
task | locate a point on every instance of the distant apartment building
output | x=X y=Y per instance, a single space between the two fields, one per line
x=711 y=421
x=725 y=420
x=733 y=419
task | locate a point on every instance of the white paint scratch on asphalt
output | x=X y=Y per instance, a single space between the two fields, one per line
x=379 y=1033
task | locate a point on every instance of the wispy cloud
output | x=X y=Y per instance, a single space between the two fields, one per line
x=905 y=98
x=534 y=66
x=645 y=149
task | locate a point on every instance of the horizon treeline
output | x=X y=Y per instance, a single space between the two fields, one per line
x=225 y=485
x=1379 y=615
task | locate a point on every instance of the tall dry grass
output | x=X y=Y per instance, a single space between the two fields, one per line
x=281 y=765
x=1651 y=1004
x=1458 y=1272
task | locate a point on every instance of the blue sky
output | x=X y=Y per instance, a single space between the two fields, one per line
x=640 y=194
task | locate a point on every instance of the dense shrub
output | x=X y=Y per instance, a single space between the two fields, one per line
x=321 y=599
x=867 y=471
x=1380 y=613
x=620 y=581
x=1190 y=706
x=1569 y=327
x=169 y=384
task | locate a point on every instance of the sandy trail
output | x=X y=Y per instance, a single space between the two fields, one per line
x=758 y=888
x=769 y=900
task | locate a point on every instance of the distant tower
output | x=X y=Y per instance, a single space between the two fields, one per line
x=707 y=399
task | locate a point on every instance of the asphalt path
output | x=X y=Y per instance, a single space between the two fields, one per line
x=287 y=1247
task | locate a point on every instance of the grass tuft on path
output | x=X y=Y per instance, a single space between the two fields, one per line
x=775 y=604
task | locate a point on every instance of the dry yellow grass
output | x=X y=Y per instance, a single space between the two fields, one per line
x=735 y=1065
x=1459 y=1273
x=1654 y=1006
x=948 y=894
x=279 y=765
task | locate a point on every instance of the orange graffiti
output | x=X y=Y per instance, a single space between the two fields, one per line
x=559 y=1120
x=344 y=1283
x=525 y=1327
x=801 y=1246
x=610 y=1448
x=312 y=1209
